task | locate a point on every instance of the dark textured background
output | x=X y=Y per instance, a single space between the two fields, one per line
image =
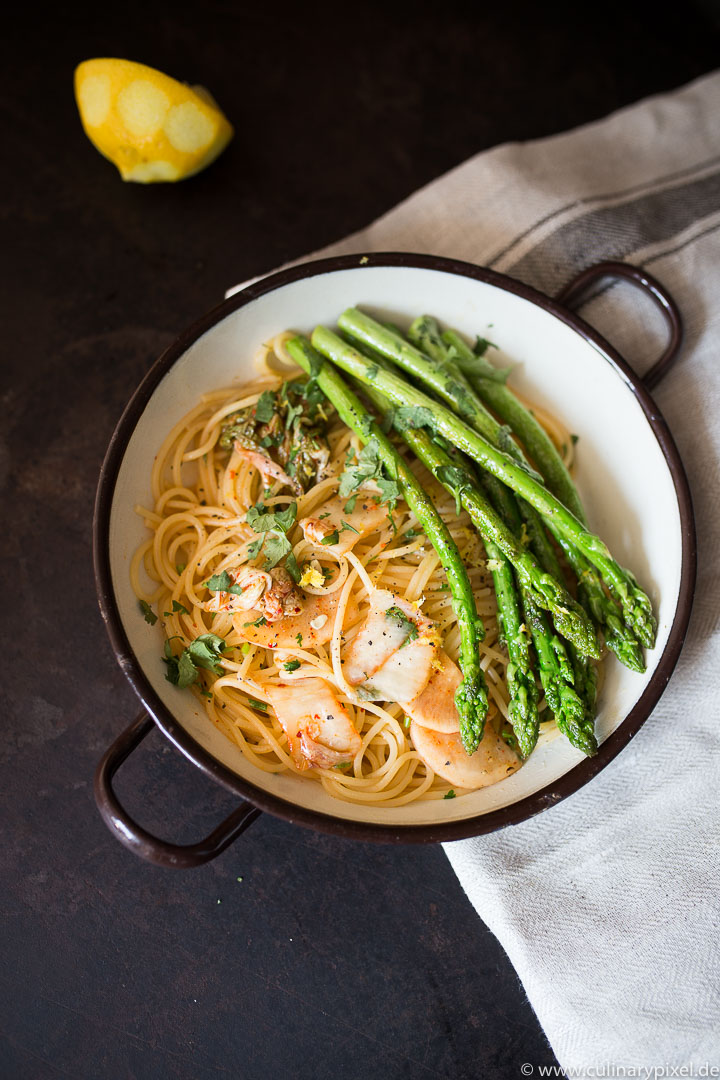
x=328 y=959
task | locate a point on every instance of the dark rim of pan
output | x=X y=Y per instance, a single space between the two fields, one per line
x=479 y=824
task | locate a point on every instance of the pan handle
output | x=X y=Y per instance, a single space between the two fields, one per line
x=650 y=285
x=137 y=839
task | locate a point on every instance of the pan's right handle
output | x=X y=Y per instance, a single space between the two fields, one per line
x=139 y=840
x=648 y=284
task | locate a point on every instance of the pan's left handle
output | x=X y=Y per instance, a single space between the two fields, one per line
x=139 y=840
x=652 y=288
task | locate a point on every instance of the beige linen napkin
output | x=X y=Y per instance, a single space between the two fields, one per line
x=608 y=904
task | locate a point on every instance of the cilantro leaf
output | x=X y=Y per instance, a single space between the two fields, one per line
x=332 y=538
x=265 y=407
x=454 y=478
x=449 y=794
x=368 y=468
x=205 y=652
x=257 y=704
x=148 y=613
x=276 y=548
x=389 y=490
x=262 y=520
x=414 y=416
x=177 y=607
x=398 y=616
x=291 y=665
x=219 y=582
x=482 y=345
x=351 y=528
x=350 y=504
x=291 y=565
x=255 y=547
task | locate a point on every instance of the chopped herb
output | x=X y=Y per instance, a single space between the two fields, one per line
x=206 y=694
x=262 y=621
x=414 y=416
x=344 y=526
x=407 y=721
x=148 y=613
x=267 y=441
x=398 y=616
x=350 y=504
x=323 y=516
x=203 y=652
x=482 y=345
x=449 y=794
x=255 y=548
x=257 y=704
x=343 y=765
x=298 y=638
x=455 y=479
x=291 y=665
x=223 y=583
x=411 y=534
x=176 y=607
x=276 y=548
x=245 y=648
x=262 y=520
x=368 y=468
x=265 y=407
x=291 y=565
x=332 y=538
x=180 y=567
x=389 y=490
x=574 y=439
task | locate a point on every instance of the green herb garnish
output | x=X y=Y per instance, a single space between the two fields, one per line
x=148 y=613
x=396 y=615
x=203 y=652
x=176 y=607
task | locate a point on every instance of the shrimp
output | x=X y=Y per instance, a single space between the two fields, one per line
x=394 y=652
x=253 y=583
x=445 y=755
x=311 y=627
x=281 y=598
x=318 y=728
x=435 y=707
x=366 y=517
x=267 y=468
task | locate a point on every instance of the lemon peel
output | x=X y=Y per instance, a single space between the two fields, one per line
x=152 y=127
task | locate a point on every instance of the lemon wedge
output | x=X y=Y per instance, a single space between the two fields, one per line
x=152 y=127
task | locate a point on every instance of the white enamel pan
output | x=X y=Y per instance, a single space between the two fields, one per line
x=629 y=475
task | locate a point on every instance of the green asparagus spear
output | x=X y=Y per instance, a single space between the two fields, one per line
x=564 y=672
x=636 y=605
x=471 y=696
x=483 y=377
